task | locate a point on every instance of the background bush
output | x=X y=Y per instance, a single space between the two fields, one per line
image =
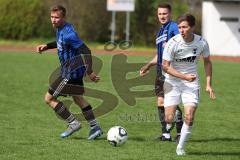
x=26 y=19
x=23 y=19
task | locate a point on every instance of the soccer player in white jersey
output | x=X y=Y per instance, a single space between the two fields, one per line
x=180 y=58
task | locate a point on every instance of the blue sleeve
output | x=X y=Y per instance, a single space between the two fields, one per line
x=173 y=30
x=73 y=40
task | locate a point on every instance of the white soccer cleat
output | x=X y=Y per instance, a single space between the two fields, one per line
x=180 y=152
x=72 y=127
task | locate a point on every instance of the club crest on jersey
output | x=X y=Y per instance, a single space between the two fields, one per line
x=194 y=51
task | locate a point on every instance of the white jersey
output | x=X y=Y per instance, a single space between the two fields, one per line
x=184 y=56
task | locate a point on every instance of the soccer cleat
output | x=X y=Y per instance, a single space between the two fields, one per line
x=177 y=138
x=72 y=127
x=95 y=132
x=163 y=138
x=180 y=152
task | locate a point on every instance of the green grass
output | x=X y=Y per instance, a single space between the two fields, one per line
x=30 y=130
x=92 y=45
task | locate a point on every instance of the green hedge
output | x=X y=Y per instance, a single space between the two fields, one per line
x=26 y=19
x=23 y=19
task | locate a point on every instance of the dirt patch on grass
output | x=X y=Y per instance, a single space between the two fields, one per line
x=21 y=49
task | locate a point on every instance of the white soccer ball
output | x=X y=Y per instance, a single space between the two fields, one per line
x=117 y=135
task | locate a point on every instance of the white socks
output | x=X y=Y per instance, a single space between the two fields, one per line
x=168 y=126
x=185 y=134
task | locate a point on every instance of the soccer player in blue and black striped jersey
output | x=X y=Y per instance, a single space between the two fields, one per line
x=73 y=68
x=167 y=31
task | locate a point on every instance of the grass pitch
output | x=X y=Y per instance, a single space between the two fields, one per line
x=29 y=129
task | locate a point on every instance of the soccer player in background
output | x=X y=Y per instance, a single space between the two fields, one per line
x=167 y=31
x=180 y=59
x=70 y=50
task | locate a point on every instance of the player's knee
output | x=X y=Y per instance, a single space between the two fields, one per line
x=48 y=100
x=169 y=118
x=160 y=101
x=189 y=119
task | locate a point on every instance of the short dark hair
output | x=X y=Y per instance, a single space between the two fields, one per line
x=165 y=5
x=59 y=8
x=187 y=17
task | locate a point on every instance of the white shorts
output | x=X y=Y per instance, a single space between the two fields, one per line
x=176 y=92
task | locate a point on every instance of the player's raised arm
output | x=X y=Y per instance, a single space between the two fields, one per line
x=44 y=47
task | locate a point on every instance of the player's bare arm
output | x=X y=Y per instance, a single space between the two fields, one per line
x=145 y=69
x=173 y=72
x=208 y=72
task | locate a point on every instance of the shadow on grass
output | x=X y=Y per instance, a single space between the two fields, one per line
x=104 y=138
x=216 y=139
x=215 y=153
x=85 y=138
x=138 y=139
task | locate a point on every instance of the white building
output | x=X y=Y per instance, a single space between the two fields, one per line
x=221 y=26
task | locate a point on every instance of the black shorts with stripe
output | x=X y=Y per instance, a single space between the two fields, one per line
x=159 y=91
x=73 y=87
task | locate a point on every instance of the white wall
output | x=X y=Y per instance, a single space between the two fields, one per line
x=223 y=37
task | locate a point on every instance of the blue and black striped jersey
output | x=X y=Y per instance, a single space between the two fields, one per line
x=166 y=32
x=68 y=44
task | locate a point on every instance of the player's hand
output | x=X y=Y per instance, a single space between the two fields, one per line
x=94 y=77
x=144 y=70
x=211 y=92
x=190 y=77
x=41 y=48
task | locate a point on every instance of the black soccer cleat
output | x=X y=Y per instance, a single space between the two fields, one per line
x=163 y=138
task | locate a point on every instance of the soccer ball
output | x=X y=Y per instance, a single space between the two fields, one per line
x=117 y=135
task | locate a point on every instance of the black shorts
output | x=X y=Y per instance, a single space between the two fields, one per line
x=159 y=91
x=72 y=88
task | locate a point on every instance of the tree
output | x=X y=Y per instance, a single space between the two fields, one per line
x=144 y=21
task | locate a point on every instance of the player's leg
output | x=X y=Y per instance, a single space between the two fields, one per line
x=170 y=111
x=190 y=99
x=172 y=98
x=87 y=111
x=165 y=136
x=189 y=111
x=62 y=111
x=50 y=100
x=179 y=123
